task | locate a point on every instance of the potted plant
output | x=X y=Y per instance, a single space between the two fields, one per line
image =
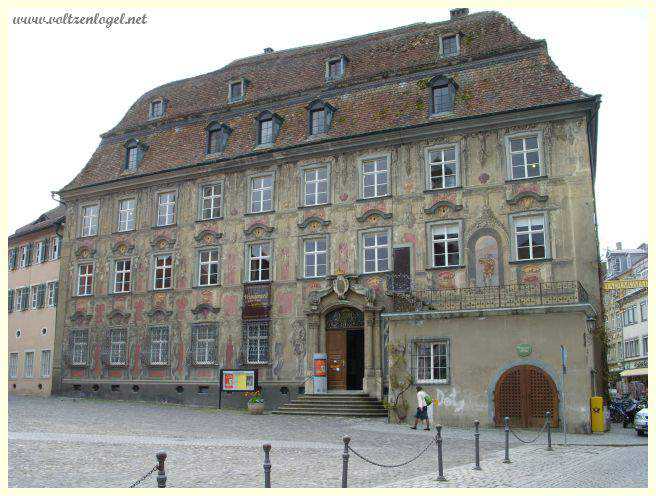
x=255 y=402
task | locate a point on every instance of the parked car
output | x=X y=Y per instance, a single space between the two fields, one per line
x=640 y=422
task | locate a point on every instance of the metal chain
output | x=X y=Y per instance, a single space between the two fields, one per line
x=392 y=466
x=140 y=480
x=532 y=440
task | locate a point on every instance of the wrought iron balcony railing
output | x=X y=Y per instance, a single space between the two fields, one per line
x=408 y=299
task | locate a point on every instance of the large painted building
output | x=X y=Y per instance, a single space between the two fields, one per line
x=33 y=281
x=344 y=198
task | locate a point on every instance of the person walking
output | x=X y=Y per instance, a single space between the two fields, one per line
x=423 y=401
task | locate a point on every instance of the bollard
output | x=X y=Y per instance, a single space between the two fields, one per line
x=345 y=458
x=267 y=465
x=161 y=474
x=506 y=428
x=549 y=448
x=440 y=464
x=477 y=446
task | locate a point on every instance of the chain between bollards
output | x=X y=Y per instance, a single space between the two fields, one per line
x=440 y=464
x=506 y=428
x=345 y=458
x=477 y=445
x=548 y=415
x=161 y=474
x=267 y=465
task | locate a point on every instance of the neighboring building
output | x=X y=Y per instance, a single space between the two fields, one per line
x=626 y=318
x=296 y=202
x=34 y=253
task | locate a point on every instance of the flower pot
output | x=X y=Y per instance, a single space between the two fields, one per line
x=256 y=408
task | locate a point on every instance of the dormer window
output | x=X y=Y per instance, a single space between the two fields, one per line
x=268 y=127
x=335 y=68
x=449 y=45
x=217 y=137
x=320 y=117
x=157 y=108
x=134 y=151
x=236 y=90
x=442 y=95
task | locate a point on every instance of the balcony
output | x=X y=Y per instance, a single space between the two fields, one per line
x=408 y=299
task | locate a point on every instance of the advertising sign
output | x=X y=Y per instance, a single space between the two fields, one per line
x=624 y=284
x=238 y=380
x=257 y=300
x=319 y=367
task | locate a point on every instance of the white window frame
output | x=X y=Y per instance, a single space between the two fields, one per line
x=239 y=82
x=363 y=249
x=163 y=268
x=645 y=345
x=51 y=293
x=159 y=348
x=151 y=110
x=449 y=35
x=79 y=347
x=431 y=227
x=34 y=297
x=547 y=238
x=632 y=348
x=447 y=354
x=509 y=154
x=643 y=311
x=22 y=258
x=28 y=372
x=254 y=337
x=44 y=374
x=40 y=252
x=270 y=134
x=314 y=168
x=88 y=287
x=377 y=184
x=166 y=210
x=14 y=359
x=213 y=198
x=55 y=247
x=342 y=68
x=119 y=287
x=315 y=254
x=252 y=191
x=118 y=347
x=89 y=223
x=127 y=217
x=441 y=149
x=213 y=260
x=206 y=335
x=260 y=270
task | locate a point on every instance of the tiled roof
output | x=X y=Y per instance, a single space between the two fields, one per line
x=498 y=69
x=46 y=220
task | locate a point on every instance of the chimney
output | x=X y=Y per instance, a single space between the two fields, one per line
x=455 y=13
x=268 y=50
x=618 y=245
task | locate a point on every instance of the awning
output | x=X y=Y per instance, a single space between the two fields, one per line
x=634 y=372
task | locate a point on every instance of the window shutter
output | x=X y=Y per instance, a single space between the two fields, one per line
x=45 y=249
x=28 y=257
x=25 y=298
x=41 y=295
x=11 y=300
x=59 y=243
x=12 y=258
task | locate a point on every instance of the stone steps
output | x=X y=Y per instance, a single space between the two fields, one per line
x=335 y=404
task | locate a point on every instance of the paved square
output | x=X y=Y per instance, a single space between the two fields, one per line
x=59 y=442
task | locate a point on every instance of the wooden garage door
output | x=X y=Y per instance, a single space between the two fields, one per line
x=524 y=394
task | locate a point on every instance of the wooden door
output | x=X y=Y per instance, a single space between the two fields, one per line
x=336 y=351
x=524 y=394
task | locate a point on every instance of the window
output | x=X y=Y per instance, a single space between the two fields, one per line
x=90 y=220
x=443 y=167
x=318 y=118
x=258 y=262
x=159 y=345
x=10 y=307
x=524 y=156
x=41 y=247
x=375 y=252
x=335 y=68
x=53 y=289
x=13 y=258
x=375 y=177
x=126 y=214
x=257 y=341
x=28 y=370
x=442 y=99
x=236 y=91
x=204 y=343
x=445 y=241
x=217 y=137
x=208 y=267
x=163 y=272
x=266 y=131
x=23 y=256
x=40 y=295
x=210 y=201
x=117 y=347
x=85 y=279
x=530 y=237
x=13 y=365
x=643 y=311
x=449 y=45
x=268 y=127
x=315 y=257
x=631 y=348
x=46 y=356
x=35 y=297
x=645 y=347
x=156 y=109
x=433 y=362
x=315 y=186
x=22 y=298
x=122 y=276
x=166 y=209
x=261 y=194
x=55 y=248
x=134 y=153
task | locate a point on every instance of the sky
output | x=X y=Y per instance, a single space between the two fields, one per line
x=70 y=83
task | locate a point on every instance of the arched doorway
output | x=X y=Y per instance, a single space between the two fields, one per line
x=524 y=394
x=345 y=348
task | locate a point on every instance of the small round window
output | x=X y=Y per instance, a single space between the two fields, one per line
x=44 y=331
x=18 y=333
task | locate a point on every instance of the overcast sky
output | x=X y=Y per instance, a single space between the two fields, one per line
x=68 y=84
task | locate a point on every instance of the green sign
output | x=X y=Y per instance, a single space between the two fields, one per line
x=524 y=350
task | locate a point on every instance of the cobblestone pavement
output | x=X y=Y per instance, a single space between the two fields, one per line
x=61 y=442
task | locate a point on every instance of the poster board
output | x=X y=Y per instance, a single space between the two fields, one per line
x=238 y=380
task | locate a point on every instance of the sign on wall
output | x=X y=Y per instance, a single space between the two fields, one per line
x=238 y=380
x=524 y=350
x=624 y=284
x=257 y=300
